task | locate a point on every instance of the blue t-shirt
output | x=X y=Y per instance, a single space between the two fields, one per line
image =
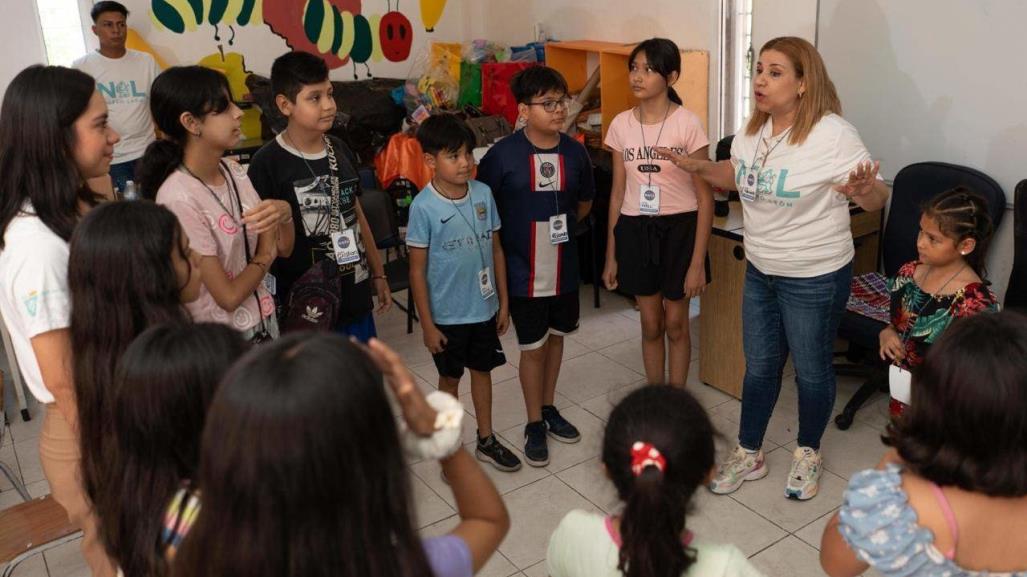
x=531 y=185
x=458 y=236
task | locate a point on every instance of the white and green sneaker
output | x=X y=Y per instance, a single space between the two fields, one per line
x=740 y=467
x=804 y=478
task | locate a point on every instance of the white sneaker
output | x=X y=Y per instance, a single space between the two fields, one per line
x=740 y=467
x=804 y=478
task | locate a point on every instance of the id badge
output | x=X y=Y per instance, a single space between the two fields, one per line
x=649 y=199
x=345 y=245
x=270 y=284
x=485 y=284
x=900 y=384
x=747 y=190
x=558 y=229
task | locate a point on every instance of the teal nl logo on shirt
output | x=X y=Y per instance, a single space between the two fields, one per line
x=119 y=91
x=768 y=181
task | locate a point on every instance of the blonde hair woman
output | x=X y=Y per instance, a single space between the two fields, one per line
x=796 y=166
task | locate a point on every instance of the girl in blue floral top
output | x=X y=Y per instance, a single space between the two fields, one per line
x=951 y=500
x=945 y=283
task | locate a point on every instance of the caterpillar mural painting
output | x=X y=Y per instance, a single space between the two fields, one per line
x=336 y=30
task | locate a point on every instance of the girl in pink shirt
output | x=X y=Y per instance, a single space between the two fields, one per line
x=660 y=216
x=237 y=235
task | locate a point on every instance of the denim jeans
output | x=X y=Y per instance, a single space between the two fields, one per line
x=801 y=315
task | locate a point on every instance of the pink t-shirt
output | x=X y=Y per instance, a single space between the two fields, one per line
x=214 y=232
x=682 y=132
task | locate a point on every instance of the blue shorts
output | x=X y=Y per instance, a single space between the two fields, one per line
x=363 y=328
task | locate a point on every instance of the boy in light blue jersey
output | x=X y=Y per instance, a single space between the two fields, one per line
x=458 y=274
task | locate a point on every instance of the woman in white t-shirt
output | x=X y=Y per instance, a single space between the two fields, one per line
x=660 y=217
x=797 y=166
x=53 y=137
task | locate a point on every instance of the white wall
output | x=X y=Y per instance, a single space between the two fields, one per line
x=689 y=23
x=21 y=40
x=934 y=80
x=260 y=46
x=773 y=18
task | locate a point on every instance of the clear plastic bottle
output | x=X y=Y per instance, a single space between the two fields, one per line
x=130 y=192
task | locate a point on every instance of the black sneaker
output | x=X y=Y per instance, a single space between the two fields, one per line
x=535 y=449
x=490 y=450
x=558 y=427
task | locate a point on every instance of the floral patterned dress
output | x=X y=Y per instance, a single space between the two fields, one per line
x=921 y=317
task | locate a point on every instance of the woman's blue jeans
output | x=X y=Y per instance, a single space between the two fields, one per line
x=797 y=315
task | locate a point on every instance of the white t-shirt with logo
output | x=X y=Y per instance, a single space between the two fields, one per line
x=34 y=296
x=796 y=224
x=125 y=84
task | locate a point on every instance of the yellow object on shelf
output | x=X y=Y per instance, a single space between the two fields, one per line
x=431 y=13
x=233 y=66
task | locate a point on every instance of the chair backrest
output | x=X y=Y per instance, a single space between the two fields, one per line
x=1016 y=291
x=723 y=151
x=381 y=217
x=916 y=184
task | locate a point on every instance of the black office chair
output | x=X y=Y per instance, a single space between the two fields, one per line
x=1016 y=290
x=380 y=211
x=914 y=185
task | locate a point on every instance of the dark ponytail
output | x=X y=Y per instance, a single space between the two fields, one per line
x=179 y=89
x=664 y=58
x=657 y=499
x=162 y=157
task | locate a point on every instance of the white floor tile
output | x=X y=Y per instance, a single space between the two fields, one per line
x=848 y=452
x=34 y=566
x=604 y=330
x=813 y=532
x=790 y=557
x=537 y=570
x=601 y=405
x=21 y=430
x=428 y=506
x=591 y=375
x=590 y=481
x=8 y=457
x=430 y=472
x=535 y=511
x=721 y=519
x=28 y=460
x=67 y=561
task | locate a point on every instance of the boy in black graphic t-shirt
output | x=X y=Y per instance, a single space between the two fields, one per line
x=295 y=167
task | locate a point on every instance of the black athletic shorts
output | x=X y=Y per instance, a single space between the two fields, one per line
x=654 y=253
x=535 y=318
x=474 y=346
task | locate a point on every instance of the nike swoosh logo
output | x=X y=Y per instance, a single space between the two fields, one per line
x=445 y=220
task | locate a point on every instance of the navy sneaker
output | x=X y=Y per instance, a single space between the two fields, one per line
x=490 y=450
x=558 y=427
x=535 y=449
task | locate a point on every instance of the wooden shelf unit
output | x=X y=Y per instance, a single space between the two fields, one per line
x=572 y=59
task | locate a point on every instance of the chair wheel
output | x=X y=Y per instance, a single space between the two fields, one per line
x=843 y=421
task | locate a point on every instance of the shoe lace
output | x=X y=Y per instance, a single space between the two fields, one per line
x=803 y=467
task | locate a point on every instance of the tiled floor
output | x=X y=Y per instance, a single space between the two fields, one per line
x=602 y=362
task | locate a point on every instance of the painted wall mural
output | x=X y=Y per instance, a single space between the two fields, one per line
x=341 y=31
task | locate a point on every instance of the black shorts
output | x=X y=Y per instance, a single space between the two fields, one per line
x=654 y=253
x=474 y=346
x=535 y=318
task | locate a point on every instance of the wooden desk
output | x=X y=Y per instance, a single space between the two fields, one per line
x=721 y=360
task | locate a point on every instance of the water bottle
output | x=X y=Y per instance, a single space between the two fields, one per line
x=130 y=192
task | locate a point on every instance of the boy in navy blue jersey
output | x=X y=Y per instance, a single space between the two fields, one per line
x=458 y=274
x=542 y=182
